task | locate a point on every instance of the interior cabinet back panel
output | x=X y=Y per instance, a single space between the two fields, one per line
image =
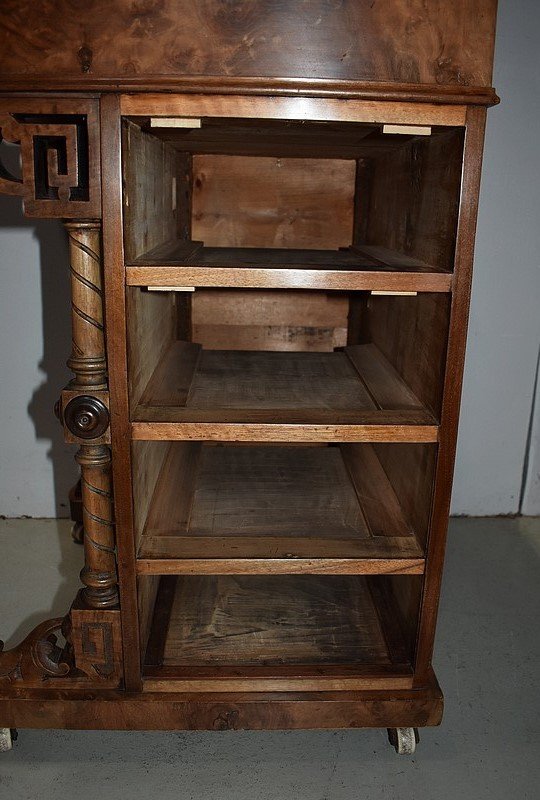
x=243 y=201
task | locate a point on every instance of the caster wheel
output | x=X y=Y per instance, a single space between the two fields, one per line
x=6 y=739
x=404 y=740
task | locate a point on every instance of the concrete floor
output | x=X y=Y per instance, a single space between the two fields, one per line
x=487 y=660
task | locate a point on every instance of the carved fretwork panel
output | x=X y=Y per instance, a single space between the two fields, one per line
x=91 y=652
x=59 y=147
x=96 y=640
x=37 y=659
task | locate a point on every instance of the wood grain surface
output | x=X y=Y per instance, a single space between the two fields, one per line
x=231 y=319
x=281 y=269
x=259 y=620
x=399 y=41
x=271 y=585
x=162 y=710
x=305 y=109
x=241 y=201
x=150 y=170
x=357 y=378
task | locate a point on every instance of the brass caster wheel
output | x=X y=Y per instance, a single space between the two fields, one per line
x=403 y=740
x=7 y=737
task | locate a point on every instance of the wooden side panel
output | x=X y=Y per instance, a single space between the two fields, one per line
x=410 y=468
x=398 y=40
x=413 y=208
x=412 y=333
x=459 y=314
x=151 y=320
x=147 y=460
x=414 y=198
x=269 y=320
x=241 y=201
x=150 y=172
x=405 y=594
x=147 y=589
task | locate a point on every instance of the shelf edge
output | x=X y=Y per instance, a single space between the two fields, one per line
x=276 y=432
x=280 y=566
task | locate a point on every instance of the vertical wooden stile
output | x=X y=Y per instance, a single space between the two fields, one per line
x=455 y=360
x=115 y=318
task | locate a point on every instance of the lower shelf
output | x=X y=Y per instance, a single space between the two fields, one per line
x=260 y=633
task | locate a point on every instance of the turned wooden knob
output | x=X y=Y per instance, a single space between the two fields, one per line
x=86 y=417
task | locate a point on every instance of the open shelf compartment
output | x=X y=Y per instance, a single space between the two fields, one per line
x=244 y=509
x=261 y=204
x=277 y=366
x=261 y=632
x=355 y=386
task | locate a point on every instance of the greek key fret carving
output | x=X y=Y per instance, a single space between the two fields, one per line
x=59 y=156
x=96 y=640
x=97 y=644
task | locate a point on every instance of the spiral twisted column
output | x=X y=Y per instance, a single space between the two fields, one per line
x=86 y=417
x=87 y=358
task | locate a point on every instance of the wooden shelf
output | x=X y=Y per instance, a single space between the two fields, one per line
x=355 y=268
x=350 y=395
x=230 y=509
x=257 y=632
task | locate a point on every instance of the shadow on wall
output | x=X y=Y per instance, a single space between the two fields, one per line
x=55 y=301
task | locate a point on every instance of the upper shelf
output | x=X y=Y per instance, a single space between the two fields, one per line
x=355 y=395
x=365 y=268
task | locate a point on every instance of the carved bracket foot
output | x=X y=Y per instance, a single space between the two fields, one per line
x=37 y=659
x=91 y=652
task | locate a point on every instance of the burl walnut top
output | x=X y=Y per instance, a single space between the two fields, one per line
x=111 y=44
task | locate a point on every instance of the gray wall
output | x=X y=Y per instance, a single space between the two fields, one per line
x=36 y=468
x=504 y=331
